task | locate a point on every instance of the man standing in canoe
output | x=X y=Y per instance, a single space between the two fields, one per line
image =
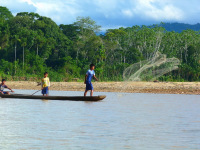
x=2 y=86
x=88 y=80
x=45 y=84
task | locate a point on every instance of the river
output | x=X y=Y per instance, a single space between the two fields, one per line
x=121 y=121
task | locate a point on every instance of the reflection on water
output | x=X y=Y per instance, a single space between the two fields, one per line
x=121 y=121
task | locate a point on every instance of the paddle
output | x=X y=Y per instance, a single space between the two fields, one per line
x=40 y=90
x=9 y=91
x=36 y=92
x=39 y=83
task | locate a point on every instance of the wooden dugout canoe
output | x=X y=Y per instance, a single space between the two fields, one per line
x=64 y=98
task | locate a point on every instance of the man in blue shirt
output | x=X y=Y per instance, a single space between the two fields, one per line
x=88 y=80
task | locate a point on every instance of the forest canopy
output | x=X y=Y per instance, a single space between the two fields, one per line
x=31 y=44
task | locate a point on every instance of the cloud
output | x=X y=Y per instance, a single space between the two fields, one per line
x=60 y=11
x=16 y=6
x=158 y=10
x=111 y=12
x=127 y=12
x=105 y=28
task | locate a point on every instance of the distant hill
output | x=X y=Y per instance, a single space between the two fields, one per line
x=179 y=27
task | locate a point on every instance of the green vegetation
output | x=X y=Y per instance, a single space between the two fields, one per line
x=31 y=44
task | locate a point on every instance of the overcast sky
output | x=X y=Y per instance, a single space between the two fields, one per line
x=111 y=13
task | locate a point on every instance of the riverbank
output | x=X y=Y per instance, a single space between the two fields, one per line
x=126 y=87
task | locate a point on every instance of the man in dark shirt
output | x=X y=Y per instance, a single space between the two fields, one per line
x=3 y=86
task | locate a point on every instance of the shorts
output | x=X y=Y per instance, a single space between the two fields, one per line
x=4 y=92
x=89 y=86
x=45 y=90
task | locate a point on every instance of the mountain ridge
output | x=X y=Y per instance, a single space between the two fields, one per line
x=179 y=27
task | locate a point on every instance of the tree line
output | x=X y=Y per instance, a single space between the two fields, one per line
x=31 y=44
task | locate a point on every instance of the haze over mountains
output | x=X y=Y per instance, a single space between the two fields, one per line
x=177 y=27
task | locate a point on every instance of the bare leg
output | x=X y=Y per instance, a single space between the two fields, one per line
x=91 y=93
x=8 y=93
x=85 y=93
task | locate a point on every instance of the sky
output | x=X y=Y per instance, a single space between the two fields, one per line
x=111 y=13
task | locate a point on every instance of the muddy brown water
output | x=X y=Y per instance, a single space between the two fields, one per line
x=121 y=121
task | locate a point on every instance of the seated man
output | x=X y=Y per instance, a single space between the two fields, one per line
x=2 y=86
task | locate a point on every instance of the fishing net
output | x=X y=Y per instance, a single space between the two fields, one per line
x=150 y=70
